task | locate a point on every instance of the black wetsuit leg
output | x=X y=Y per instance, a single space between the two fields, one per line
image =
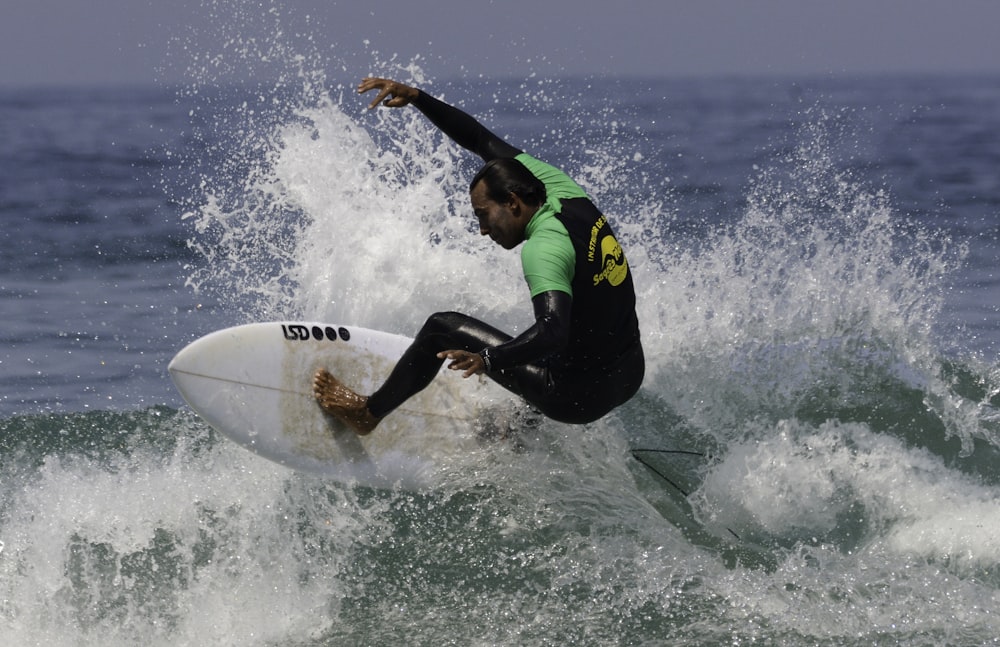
x=586 y=396
x=420 y=364
x=573 y=399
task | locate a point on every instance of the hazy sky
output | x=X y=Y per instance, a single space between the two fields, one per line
x=147 y=41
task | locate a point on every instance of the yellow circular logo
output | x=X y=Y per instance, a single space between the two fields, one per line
x=614 y=265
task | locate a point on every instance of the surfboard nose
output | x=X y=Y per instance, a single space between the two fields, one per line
x=253 y=384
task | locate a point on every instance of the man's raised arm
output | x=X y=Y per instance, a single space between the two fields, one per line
x=456 y=124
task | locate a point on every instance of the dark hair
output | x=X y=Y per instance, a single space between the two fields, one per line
x=506 y=175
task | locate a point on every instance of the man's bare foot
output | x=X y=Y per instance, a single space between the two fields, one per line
x=339 y=401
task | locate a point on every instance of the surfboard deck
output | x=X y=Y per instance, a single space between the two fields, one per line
x=253 y=383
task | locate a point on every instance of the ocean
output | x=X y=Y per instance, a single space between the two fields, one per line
x=816 y=266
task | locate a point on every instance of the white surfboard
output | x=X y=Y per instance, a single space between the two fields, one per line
x=253 y=383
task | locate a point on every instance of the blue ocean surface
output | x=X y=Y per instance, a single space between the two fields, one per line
x=816 y=266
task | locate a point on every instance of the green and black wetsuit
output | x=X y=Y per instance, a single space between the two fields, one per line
x=582 y=357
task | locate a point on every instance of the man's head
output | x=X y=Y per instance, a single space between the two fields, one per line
x=505 y=195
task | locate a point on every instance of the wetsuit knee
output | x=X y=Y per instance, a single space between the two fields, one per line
x=441 y=322
x=436 y=333
x=420 y=363
x=457 y=331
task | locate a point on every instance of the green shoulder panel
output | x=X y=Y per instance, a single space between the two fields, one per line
x=548 y=258
x=557 y=184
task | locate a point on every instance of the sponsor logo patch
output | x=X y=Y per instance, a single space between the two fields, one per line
x=300 y=332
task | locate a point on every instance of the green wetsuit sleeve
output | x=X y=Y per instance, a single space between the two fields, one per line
x=548 y=259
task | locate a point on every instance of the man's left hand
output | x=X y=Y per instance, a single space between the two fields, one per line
x=463 y=360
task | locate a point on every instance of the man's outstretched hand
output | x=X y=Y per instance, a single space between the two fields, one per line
x=391 y=93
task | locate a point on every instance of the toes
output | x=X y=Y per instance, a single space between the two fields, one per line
x=321 y=380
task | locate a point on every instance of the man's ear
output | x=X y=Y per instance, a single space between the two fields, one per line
x=515 y=204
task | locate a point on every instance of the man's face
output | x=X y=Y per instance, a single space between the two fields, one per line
x=504 y=223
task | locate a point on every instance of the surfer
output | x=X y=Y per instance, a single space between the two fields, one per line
x=582 y=357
